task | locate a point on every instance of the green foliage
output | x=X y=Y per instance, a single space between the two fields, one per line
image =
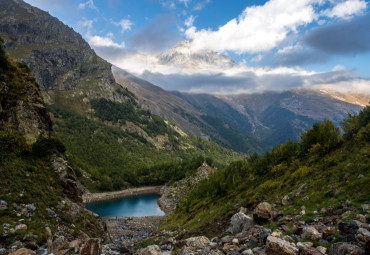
x=336 y=163
x=47 y=146
x=321 y=138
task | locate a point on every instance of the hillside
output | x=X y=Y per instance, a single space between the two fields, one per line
x=40 y=194
x=190 y=117
x=324 y=173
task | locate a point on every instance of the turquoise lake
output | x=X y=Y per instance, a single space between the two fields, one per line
x=138 y=206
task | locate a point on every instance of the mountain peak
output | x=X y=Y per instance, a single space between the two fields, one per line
x=184 y=56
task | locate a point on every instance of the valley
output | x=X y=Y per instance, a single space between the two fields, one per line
x=255 y=172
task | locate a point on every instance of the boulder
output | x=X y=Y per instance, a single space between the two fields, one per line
x=23 y=251
x=150 y=250
x=348 y=231
x=264 y=212
x=198 y=242
x=59 y=244
x=92 y=246
x=363 y=237
x=312 y=233
x=343 y=248
x=240 y=222
x=277 y=246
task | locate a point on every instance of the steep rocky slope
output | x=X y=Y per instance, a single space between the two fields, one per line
x=190 y=118
x=40 y=195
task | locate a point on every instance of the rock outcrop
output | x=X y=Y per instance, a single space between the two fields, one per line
x=171 y=195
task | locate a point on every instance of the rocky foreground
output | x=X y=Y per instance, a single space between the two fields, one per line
x=329 y=232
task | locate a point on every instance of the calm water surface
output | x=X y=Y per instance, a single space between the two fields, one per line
x=144 y=205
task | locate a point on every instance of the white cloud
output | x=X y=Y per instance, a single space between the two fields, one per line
x=201 y=5
x=346 y=9
x=258 y=28
x=89 y=3
x=189 y=21
x=98 y=41
x=125 y=24
x=168 y=4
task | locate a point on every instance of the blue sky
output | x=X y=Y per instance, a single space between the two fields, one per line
x=311 y=37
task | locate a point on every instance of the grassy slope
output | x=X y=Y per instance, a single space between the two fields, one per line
x=117 y=158
x=323 y=160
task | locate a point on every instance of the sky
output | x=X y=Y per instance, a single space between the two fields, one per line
x=275 y=44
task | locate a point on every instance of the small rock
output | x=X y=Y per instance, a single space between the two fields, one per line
x=2 y=202
x=50 y=212
x=247 y=252
x=276 y=246
x=365 y=207
x=235 y=241
x=21 y=227
x=31 y=207
x=360 y=176
x=322 y=249
x=285 y=200
x=343 y=248
x=303 y=212
x=333 y=193
x=311 y=233
x=23 y=251
x=361 y=218
x=309 y=251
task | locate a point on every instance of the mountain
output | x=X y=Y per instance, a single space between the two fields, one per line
x=190 y=118
x=62 y=62
x=274 y=117
x=183 y=56
x=110 y=138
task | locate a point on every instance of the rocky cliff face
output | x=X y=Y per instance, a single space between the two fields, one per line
x=58 y=56
x=22 y=105
x=37 y=181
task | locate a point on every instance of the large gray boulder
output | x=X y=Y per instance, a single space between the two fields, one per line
x=240 y=222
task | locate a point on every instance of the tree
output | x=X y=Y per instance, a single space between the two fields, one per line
x=321 y=138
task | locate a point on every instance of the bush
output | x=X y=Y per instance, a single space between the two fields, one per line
x=321 y=138
x=47 y=146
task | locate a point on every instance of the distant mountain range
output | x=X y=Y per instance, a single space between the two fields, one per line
x=71 y=75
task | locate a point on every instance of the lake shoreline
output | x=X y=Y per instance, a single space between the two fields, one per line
x=105 y=196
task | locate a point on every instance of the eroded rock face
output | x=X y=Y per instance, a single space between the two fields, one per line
x=277 y=246
x=68 y=178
